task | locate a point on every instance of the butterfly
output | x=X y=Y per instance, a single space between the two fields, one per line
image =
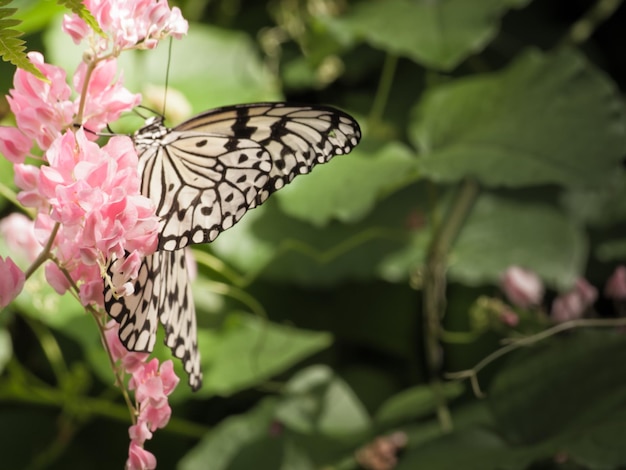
x=203 y=176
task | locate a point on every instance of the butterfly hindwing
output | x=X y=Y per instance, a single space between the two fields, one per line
x=162 y=293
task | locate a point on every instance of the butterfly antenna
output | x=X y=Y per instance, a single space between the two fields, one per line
x=167 y=74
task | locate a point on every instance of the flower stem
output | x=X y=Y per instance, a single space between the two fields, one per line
x=45 y=253
x=434 y=291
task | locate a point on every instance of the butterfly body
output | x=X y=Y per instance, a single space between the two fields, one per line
x=203 y=176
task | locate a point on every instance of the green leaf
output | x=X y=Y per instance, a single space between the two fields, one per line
x=248 y=350
x=36 y=16
x=11 y=46
x=231 y=438
x=347 y=188
x=6 y=348
x=414 y=403
x=599 y=207
x=78 y=7
x=561 y=388
x=545 y=119
x=500 y=232
x=269 y=243
x=319 y=402
x=436 y=34
x=611 y=250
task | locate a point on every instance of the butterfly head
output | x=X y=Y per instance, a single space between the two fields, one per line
x=151 y=133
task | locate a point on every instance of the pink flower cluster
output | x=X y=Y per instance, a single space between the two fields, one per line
x=44 y=110
x=127 y=24
x=93 y=193
x=152 y=385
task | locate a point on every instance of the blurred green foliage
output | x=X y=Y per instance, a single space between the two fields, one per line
x=494 y=134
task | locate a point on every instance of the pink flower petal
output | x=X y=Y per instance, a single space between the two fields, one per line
x=12 y=281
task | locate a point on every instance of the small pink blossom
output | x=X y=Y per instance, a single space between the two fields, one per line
x=19 y=233
x=509 y=318
x=14 y=145
x=522 y=287
x=56 y=278
x=616 y=285
x=12 y=281
x=139 y=458
x=573 y=304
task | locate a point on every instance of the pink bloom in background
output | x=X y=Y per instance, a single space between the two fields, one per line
x=18 y=231
x=127 y=23
x=522 y=287
x=12 y=281
x=573 y=304
x=616 y=285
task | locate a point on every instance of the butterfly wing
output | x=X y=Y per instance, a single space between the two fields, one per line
x=162 y=292
x=219 y=164
x=203 y=176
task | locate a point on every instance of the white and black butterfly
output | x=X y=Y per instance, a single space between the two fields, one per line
x=203 y=176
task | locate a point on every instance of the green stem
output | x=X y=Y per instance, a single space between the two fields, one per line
x=434 y=295
x=382 y=93
x=85 y=407
x=582 y=29
x=45 y=253
x=50 y=348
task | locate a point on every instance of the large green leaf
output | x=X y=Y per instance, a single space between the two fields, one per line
x=281 y=248
x=438 y=34
x=415 y=402
x=232 y=437
x=501 y=232
x=347 y=188
x=545 y=119
x=317 y=401
x=562 y=389
x=248 y=350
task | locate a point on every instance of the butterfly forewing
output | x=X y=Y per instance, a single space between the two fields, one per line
x=203 y=176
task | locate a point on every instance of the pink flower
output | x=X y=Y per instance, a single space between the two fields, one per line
x=42 y=109
x=56 y=278
x=107 y=99
x=131 y=361
x=19 y=233
x=573 y=304
x=14 y=145
x=139 y=458
x=616 y=285
x=12 y=281
x=128 y=24
x=522 y=287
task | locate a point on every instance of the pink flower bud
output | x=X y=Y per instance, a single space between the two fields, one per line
x=616 y=285
x=19 y=233
x=522 y=287
x=573 y=304
x=11 y=281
